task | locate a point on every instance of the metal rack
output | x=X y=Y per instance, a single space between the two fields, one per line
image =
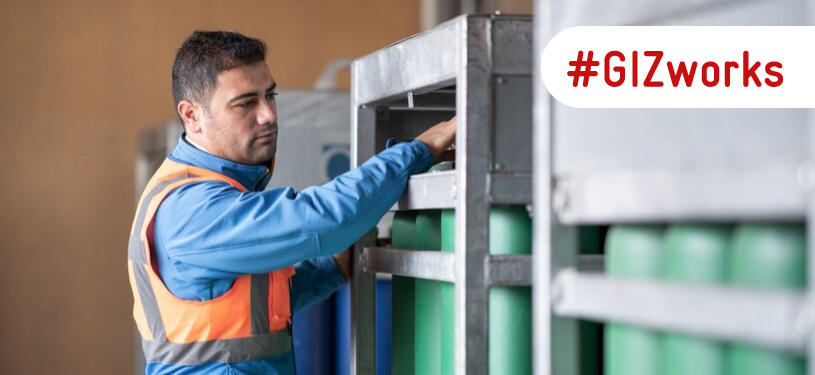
x=590 y=169
x=479 y=68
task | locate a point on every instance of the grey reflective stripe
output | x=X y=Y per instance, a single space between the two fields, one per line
x=148 y=301
x=260 y=304
x=227 y=351
x=135 y=250
x=138 y=255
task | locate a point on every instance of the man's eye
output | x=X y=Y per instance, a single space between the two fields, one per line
x=248 y=104
x=270 y=95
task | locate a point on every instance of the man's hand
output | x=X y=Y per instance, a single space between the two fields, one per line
x=343 y=261
x=439 y=137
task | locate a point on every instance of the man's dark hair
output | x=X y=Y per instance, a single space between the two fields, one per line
x=205 y=54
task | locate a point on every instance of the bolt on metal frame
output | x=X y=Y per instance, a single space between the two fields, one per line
x=579 y=179
x=478 y=68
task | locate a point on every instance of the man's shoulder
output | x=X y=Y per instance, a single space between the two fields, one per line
x=192 y=198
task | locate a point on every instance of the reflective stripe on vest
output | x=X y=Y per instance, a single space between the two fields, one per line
x=250 y=321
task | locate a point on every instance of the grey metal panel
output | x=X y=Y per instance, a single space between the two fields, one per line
x=745 y=13
x=771 y=319
x=419 y=62
x=632 y=165
x=430 y=265
x=570 y=13
x=512 y=46
x=758 y=191
x=515 y=188
x=512 y=139
x=598 y=139
x=405 y=125
x=682 y=163
x=513 y=270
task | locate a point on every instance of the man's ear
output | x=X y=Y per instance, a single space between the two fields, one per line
x=190 y=114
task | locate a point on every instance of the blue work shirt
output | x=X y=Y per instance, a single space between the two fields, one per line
x=209 y=233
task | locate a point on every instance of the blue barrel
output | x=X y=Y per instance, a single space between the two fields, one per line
x=384 y=330
x=342 y=341
x=313 y=334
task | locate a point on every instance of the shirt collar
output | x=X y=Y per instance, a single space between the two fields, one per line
x=252 y=177
x=196 y=145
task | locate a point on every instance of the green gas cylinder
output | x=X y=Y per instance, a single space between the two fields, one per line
x=428 y=298
x=767 y=257
x=632 y=251
x=403 y=236
x=694 y=254
x=510 y=307
x=448 y=301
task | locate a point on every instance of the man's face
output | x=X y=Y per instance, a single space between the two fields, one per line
x=241 y=124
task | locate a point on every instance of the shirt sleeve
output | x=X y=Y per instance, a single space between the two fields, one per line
x=314 y=281
x=210 y=230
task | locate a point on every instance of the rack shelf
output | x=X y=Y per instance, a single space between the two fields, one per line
x=772 y=319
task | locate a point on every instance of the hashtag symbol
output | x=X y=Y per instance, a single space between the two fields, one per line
x=578 y=70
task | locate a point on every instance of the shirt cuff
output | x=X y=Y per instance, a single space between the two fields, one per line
x=426 y=159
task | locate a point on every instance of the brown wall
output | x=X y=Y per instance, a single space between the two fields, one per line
x=78 y=81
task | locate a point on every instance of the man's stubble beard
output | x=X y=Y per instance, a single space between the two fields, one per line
x=269 y=155
x=248 y=153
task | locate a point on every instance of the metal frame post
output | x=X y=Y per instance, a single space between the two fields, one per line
x=363 y=285
x=473 y=94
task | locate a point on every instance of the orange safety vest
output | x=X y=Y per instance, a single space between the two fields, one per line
x=250 y=321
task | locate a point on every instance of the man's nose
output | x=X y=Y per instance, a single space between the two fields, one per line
x=267 y=112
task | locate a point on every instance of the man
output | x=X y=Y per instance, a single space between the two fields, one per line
x=216 y=263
